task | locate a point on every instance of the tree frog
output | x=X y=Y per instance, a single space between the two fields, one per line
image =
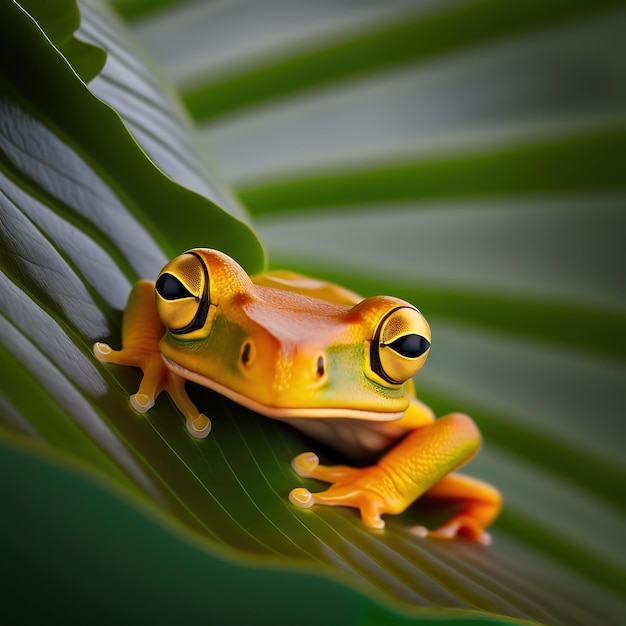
x=319 y=357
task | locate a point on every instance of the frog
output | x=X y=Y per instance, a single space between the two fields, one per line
x=315 y=355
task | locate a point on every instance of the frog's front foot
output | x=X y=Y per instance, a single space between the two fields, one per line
x=361 y=488
x=156 y=378
x=155 y=374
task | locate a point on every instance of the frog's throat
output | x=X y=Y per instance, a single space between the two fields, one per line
x=280 y=413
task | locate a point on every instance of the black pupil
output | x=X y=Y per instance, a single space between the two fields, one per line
x=410 y=346
x=170 y=288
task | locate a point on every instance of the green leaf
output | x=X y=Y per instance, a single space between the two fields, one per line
x=151 y=571
x=152 y=111
x=59 y=20
x=56 y=98
x=579 y=163
x=527 y=327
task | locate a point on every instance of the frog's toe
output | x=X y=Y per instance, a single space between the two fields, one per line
x=305 y=464
x=370 y=514
x=199 y=427
x=458 y=526
x=485 y=538
x=308 y=465
x=374 y=522
x=101 y=351
x=141 y=402
x=350 y=495
x=420 y=531
x=301 y=497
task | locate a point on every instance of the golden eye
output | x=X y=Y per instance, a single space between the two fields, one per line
x=182 y=294
x=400 y=345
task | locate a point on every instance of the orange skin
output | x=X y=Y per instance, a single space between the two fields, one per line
x=315 y=355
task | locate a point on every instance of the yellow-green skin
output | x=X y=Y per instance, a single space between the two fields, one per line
x=317 y=356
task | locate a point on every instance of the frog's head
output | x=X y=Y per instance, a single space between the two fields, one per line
x=289 y=348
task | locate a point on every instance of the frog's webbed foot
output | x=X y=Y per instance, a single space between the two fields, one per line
x=419 y=465
x=457 y=526
x=156 y=378
x=141 y=332
x=480 y=504
x=349 y=488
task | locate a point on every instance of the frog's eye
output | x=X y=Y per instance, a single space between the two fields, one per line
x=400 y=345
x=182 y=294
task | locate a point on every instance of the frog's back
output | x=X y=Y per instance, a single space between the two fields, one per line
x=306 y=286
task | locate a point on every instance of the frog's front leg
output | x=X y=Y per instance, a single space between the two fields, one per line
x=141 y=331
x=418 y=465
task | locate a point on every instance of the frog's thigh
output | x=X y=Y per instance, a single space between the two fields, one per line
x=403 y=474
x=428 y=454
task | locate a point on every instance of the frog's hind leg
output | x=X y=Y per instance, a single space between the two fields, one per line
x=407 y=471
x=480 y=504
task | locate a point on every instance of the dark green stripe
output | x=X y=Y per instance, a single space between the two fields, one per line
x=134 y=9
x=586 y=162
x=583 y=471
x=414 y=38
x=599 y=332
x=562 y=551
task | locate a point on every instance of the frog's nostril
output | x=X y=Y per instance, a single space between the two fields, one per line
x=319 y=366
x=248 y=353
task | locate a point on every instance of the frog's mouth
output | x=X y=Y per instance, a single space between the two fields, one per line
x=279 y=412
